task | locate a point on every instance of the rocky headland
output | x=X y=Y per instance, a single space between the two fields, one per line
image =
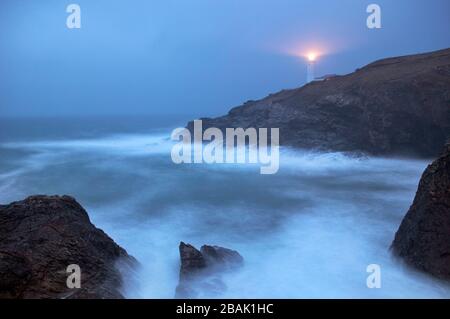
x=395 y=106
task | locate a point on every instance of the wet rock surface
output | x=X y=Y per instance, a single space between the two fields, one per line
x=201 y=270
x=41 y=236
x=423 y=239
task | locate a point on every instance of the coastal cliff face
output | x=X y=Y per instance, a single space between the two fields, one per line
x=394 y=106
x=423 y=239
x=41 y=236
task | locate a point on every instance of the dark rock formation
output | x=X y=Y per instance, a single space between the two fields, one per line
x=192 y=261
x=393 y=106
x=200 y=271
x=423 y=239
x=42 y=235
x=221 y=258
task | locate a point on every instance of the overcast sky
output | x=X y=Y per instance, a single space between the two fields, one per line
x=198 y=57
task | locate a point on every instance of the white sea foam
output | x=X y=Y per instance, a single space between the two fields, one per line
x=128 y=145
x=308 y=231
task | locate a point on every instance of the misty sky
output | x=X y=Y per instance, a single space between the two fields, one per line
x=198 y=57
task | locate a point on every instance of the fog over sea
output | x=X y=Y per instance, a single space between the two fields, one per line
x=308 y=231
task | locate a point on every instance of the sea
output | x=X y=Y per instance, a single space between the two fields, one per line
x=309 y=231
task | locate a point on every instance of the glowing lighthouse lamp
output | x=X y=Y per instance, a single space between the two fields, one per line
x=310 y=66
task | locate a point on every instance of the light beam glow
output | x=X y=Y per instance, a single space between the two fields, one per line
x=312 y=57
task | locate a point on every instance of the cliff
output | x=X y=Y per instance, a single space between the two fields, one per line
x=393 y=106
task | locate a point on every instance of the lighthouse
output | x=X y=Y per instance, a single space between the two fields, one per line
x=311 y=60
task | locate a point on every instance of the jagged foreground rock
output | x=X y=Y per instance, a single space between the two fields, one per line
x=41 y=235
x=394 y=106
x=423 y=239
x=200 y=271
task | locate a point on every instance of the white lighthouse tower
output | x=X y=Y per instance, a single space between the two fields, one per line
x=310 y=67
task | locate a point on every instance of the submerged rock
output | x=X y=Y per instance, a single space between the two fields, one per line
x=41 y=236
x=423 y=239
x=201 y=270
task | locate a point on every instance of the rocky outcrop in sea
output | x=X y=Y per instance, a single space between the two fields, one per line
x=423 y=239
x=201 y=270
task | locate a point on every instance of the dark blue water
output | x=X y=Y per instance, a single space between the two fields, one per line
x=307 y=232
